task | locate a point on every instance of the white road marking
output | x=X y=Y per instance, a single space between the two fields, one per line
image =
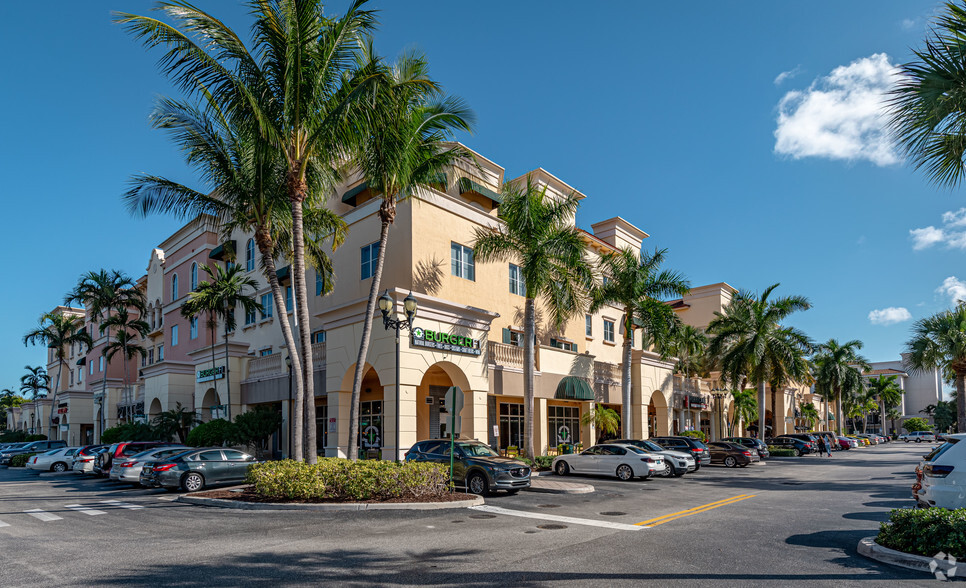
x=3 y=524
x=168 y=498
x=559 y=519
x=42 y=515
x=88 y=511
x=121 y=504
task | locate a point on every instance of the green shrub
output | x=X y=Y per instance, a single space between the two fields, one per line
x=13 y=437
x=129 y=432
x=337 y=480
x=544 y=462
x=916 y=424
x=925 y=531
x=217 y=432
x=699 y=435
x=19 y=461
x=781 y=451
x=36 y=438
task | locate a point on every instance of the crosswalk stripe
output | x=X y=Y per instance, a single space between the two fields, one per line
x=85 y=510
x=3 y=524
x=168 y=498
x=547 y=517
x=42 y=515
x=121 y=504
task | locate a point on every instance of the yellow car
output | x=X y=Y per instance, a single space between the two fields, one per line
x=861 y=440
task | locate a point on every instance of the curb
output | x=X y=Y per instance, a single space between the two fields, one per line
x=575 y=489
x=869 y=548
x=57 y=474
x=235 y=504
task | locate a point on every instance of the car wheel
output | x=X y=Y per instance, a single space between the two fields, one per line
x=906 y=440
x=562 y=468
x=918 y=440
x=669 y=471
x=624 y=472
x=798 y=453
x=477 y=484
x=730 y=461
x=192 y=482
x=59 y=467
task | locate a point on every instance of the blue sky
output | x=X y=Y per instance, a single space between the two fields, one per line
x=743 y=137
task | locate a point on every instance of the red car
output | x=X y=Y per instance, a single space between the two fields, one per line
x=102 y=466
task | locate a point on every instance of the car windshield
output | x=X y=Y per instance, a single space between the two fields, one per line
x=477 y=450
x=940 y=450
x=652 y=446
x=699 y=444
x=637 y=450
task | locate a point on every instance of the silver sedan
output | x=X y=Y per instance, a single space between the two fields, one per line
x=128 y=469
x=623 y=461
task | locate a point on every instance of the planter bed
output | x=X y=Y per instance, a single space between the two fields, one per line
x=246 y=494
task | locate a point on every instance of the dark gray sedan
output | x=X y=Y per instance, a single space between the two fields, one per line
x=194 y=470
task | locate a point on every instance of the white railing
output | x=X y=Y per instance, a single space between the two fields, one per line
x=318 y=355
x=503 y=354
x=266 y=367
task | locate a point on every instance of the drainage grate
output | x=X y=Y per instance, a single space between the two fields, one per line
x=551 y=527
x=548 y=506
x=531 y=532
x=613 y=513
x=483 y=516
x=457 y=521
x=793 y=483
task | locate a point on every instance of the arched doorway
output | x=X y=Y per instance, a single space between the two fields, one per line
x=155 y=410
x=209 y=403
x=657 y=415
x=371 y=416
x=432 y=420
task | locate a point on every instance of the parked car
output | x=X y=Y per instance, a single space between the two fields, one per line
x=863 y=442
x=732 y=454
x=677 y=463
x=124 y=449
x=85 y=458
x=196 y=469
x=809 y=438
x=756 y=444
x=845 y=443
x=872 y=439
x=944 y=475
x=32 y=447
x=475 y=465
x=797 y=445
x=128 y=469
x=686 y=444
x=55 y=460
x=623 y=461
x=830 y=440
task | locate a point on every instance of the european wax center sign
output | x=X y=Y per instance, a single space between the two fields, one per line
x=445 y=341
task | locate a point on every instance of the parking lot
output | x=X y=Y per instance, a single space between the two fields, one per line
x=787 y=522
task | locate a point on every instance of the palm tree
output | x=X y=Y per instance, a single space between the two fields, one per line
x=886 y=390
x=838 y=373
x=809 y=414
x=928 y=112
x=404 y=148
x=939 y=342
x=744 y=408
x=125 y=341
x=606 y=421
x=177 y=421
x=537 y=232
x=102 y=294
x=58 y=331
x=750 y=344
x=34 y=381
x=687 y=344
x=303 y=83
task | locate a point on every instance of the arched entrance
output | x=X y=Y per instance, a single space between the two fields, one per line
x=210 y=400
x=657 y=415
x=155 y=410
x=371 y=416
x=432 y=420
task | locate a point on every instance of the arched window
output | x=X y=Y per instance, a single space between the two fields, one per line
x=194 y=277
x=250 y=255
x=174 y=287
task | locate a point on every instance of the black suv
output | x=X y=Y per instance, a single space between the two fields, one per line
x=475 y=466
x=700 y=451
x=32 y=447
x=750 y=442
x=800 y=447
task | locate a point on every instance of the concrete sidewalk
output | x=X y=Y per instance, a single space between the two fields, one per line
x=556 y=486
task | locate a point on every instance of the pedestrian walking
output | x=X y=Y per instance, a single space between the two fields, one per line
x=822 y=445
x=828 y=445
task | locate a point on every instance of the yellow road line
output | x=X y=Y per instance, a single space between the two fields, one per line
x=692 y=511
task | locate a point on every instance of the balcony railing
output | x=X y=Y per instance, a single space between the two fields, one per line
x=606 y=372
x=269 y=366
x=131 y=396
x=505 y=355
x=318 y=356
x=684 y=386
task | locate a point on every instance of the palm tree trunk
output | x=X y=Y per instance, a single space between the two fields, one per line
x=124 y=358
x=774 y=411
x=265 y=247
x=366 y=335
x=227 y=375
x=214 y=376
x=305 y=328
x=626 y=420
x=53 y=402
x=961 y=402
x=529 y=367
x=107 y=366
x=761 y=411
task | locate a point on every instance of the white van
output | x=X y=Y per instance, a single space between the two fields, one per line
x=918 y=436
x=944 y=474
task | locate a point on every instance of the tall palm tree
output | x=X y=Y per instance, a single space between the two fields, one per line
x=58 y=331
x=927 y=106
x=34 y=381
x=809 y=414
x=838 y=373
x=404 y=148
x=687 y=344
x=750 y=344
x=128 y=331
x=537 y=232
x=744 y=409
x=886 y=390
x=103 y=293
x=939 y=342
x=302 y=83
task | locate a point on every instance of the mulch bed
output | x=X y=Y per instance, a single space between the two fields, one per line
x=247 y=495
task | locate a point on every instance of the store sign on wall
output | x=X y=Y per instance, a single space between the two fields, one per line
x=445 y=341
x=210 y=374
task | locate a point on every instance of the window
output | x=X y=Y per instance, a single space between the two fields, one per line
x=193 y=327
x=461 y=264
x=319 y=283
x=174 y=335
x=589 y=325
x=151 y=356
x=318 y=337
x=513 y=337
x=250 y=255
x=511 y=425
x=609 y=331
x=267 y=306
x=194 y=277
x=144 y=360
x=264 y=352
x=174 y=287
x=565 y=345
x=370 y=255
x=80 y=375
x=101 y=368
x=250 y=317
x=370 y=425
x=160 y=352
x=288 y=299
x=71 y=377
x=516 y=281
x=321 y=430
x=92 y=368
x=564 y=424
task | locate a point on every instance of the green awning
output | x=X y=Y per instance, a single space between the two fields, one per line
x=350 y=196
x=283 y=274
x=225 y=249
x=468 y=185
x=81 y=361
x=573 y=388
x=438 y=180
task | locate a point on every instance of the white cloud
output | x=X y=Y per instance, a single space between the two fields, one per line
x=787 y=75
x=889 y=316
x=926 y=237
x=840 y=116
x=908 y=23
x=952 y=234
x=954 y=288
x=955 y=219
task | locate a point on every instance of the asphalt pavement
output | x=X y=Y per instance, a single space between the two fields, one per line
x=790 y=522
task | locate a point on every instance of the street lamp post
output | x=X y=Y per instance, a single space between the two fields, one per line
x=386 y=305
x=288 y=362
x=719 y=395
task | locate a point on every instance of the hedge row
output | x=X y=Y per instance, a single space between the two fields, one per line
x=334 y=479
x=781 y=452
x=925 y=531
x=20 y=461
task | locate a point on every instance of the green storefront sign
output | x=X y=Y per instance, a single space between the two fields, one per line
x=445 y=341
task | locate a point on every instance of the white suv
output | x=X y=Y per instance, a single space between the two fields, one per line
x=944 y=475
x=918 y=436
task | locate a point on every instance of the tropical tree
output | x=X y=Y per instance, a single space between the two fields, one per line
x=838 y=373
x=58 y=332
x=8 y=399
x=537 y=232
x=175 y=422
x=34 y=381
x=750 y=344
x=886 y=391
x=128 y=331
x=605 y=421
x=405 y=147
x=927 y=110
x=687 y=344
x=809 y=414
x=939 y=342
x=304 y=83
x=744 y=408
